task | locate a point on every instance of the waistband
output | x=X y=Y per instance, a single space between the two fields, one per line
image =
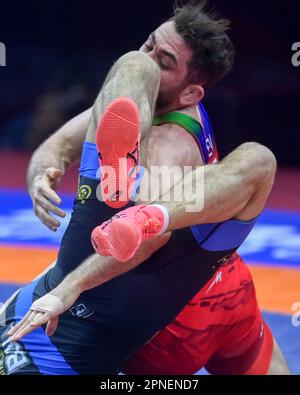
x=87 y=189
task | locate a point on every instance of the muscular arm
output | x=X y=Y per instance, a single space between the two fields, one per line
x=48 y=164
x=61 y=149
x=95 y=271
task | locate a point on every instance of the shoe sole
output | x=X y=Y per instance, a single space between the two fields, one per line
x=122 y=243
x=118 y=133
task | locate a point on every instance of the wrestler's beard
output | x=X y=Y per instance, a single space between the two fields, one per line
x=162 y=102
x=166 y=99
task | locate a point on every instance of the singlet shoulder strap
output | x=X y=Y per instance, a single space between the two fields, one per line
x=190 y=124
x=187 y=122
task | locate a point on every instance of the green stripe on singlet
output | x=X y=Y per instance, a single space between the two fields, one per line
x=187 y=122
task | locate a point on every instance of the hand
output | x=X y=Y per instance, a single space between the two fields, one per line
x=46 y=310
x=43 y=194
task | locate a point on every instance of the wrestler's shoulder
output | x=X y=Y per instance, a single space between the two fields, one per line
x=172 y=130
x=173 y=140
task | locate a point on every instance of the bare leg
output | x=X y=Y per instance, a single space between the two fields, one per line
x=136 y=76
x=278 y=363
x=237 y=187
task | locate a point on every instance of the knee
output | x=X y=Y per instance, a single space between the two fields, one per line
x=263 y=162
x=141 y=65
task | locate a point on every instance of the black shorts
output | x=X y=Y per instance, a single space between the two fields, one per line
x=109 y=323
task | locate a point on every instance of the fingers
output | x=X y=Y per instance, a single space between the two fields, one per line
x=45 y=199
x=34 y=321
x=51 y=222
x=51 y=326
x=48 y=206
x=43 y=206
x=53 y=173
x=50 y=194
x=47 y=308
x=19 y=325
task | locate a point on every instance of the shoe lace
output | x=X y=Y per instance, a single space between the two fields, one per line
x=134 y=156
x=150 y=227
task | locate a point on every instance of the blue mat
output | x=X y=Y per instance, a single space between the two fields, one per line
x=275 y=239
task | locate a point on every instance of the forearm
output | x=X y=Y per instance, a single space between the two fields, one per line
x=61 y=149
x=97 y=270
x=47 y=155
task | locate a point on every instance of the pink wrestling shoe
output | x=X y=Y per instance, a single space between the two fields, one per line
x=122 y=235
x=118 y=142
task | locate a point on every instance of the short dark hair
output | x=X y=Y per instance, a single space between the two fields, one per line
x=205 y=33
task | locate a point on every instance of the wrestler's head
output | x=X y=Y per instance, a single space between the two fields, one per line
x=193 y=52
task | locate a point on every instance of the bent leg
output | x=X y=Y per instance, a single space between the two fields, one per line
x=237 y=187
x=136 y=76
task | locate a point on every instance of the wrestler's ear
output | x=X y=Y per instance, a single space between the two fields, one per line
x=191 y=95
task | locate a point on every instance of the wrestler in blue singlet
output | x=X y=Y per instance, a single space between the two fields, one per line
x=109 y=323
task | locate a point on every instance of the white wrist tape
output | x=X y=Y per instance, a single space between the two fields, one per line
x=49 y=304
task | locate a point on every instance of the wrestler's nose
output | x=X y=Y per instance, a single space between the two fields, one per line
x=152 y=56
